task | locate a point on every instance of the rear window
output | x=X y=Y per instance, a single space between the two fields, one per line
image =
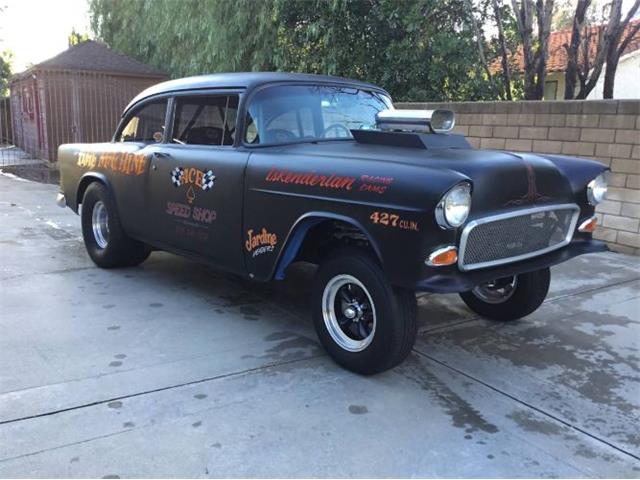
x=146 y=124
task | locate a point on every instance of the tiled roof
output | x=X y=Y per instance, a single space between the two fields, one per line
x=96 y=56
x=557 y=60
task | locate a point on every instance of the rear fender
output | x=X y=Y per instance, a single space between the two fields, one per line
x=85 y=181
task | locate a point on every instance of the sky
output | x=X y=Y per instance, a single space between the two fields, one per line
x=35 y=30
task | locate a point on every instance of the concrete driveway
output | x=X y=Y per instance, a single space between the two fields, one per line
x=172 y=369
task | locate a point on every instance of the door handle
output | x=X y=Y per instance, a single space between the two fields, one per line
x=162 y=155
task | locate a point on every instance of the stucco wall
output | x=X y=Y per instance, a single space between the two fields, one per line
x=627 y=79
x=604 y=130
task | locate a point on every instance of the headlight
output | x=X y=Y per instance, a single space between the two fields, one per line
x=453 y=209
x=597 y=189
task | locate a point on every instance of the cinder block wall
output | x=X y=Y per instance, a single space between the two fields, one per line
x=603 y=130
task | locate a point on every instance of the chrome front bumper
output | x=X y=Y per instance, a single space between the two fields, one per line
x=61 y=201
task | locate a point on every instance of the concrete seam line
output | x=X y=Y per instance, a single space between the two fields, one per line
x=160 y=389
x=87 y=440
x=474 y=318
x=605 y=287
x=50 y=272
x=426 y=329
x=528 y=405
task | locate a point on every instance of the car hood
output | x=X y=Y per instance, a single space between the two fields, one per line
x=500 y=179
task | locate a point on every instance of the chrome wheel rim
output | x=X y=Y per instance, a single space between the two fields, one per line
x=496 y=291
x=349 y=313
x=100 y=224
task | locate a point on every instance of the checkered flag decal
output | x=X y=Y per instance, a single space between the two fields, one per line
x=207 y=180
x=176 y=176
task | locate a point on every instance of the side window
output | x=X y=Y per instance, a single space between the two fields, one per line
x=146 y=125
x=205 y=120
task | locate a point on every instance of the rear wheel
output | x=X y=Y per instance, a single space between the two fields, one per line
x=105 y=241
x=363 y=323
x=509 y=298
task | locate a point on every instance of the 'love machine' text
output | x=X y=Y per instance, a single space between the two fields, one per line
x=127 y=163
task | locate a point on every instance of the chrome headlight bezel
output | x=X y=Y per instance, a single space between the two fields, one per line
x=597 y=189
x=458 y=196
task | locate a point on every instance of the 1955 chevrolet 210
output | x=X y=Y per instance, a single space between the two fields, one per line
x=250 y=172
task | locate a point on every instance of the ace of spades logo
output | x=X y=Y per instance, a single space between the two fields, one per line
x=191 y=195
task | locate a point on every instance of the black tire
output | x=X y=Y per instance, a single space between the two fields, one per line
x=529 y=292
x=119 y=249
x=395 y=313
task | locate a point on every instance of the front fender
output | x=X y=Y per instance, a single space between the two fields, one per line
x=578 y=171
x=298 y=232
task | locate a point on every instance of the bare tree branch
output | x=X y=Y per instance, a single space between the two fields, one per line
x=504 y=54
x=544 y=10
x=604 y=40
x=632 y=31
x=617 y=48
x=535 y=61
x=571 y=73
x=480 y=41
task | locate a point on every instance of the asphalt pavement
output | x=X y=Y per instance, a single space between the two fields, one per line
x=172 y=369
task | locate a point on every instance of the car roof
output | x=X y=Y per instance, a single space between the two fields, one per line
x=242 y=80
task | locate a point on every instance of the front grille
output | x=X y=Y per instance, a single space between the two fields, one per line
x=517 y=235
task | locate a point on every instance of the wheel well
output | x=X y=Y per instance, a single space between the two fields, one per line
x=323 y=237
x=84 y=184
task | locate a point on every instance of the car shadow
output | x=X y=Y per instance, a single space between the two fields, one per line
x=293 y=294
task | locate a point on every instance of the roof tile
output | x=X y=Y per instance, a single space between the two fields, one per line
x=96 y=56
x=557 y=59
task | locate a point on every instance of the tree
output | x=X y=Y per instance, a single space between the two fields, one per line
x=562 y=17
x=594 y=48
x=6 y=58
x=499 y=15
x=571 y=74
x=406 y=46
x=616 y=49
x=76 y=38
x=534 y=47
x=5 y=72
x=417 y=49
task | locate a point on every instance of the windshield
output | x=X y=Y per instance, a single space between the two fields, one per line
x=284 y=114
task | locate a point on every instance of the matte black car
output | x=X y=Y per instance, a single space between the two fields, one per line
x=250 y=172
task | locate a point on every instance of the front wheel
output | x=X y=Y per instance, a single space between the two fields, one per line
x=509 y=298
x=365 y=324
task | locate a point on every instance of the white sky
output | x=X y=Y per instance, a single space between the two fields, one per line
x=35 y=30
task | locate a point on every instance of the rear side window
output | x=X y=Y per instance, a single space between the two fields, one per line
x=205 y=120
x=146 y=124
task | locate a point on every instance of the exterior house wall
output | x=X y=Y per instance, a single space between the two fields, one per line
x=52 y=107
x=606 y=130
x=28 y=115
x=85 y=107
x=627 y=83
x=558 y=79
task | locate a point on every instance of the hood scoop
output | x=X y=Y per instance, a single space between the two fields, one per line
x=417 y=121
x=411 y=139
x=424 y=129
